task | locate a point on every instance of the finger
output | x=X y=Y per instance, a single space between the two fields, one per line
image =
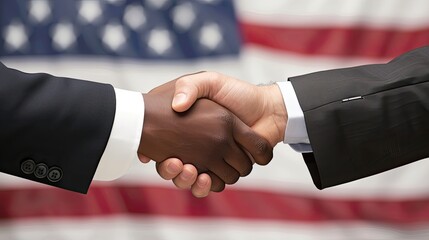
x=169 y=168
x=143 y=158
x=189 y=88
x=187 y=177
x=257 y=146
x=201 y=188
x=217 y=184
x=224 y=171
x=239 y=160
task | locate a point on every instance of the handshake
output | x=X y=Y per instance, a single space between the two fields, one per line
x=205 y=130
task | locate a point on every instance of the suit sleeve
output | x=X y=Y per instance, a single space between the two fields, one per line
x=53 y=130
x=365 y=120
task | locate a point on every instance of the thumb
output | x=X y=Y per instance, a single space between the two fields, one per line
x=183 y=100
x=189 y=88
x=185 y=94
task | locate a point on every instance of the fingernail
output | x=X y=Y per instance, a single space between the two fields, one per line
x=173 y=168
x=179 y=99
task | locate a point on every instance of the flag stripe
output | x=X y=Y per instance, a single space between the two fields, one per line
x=161 y=228
x=397 y=14
x=161 y=201
x=336 y=41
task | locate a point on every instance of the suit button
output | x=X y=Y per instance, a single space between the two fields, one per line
x=55 y=174
x=28 y=166
x=41 y=170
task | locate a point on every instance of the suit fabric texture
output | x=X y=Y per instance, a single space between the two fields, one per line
x=53 y=130
x=365 y=120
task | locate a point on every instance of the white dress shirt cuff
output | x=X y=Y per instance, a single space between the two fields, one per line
x=121 y=148
x=296 y=132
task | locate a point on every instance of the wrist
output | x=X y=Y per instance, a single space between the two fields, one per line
x=156 y=123
x=276 y=110
x=146 y=125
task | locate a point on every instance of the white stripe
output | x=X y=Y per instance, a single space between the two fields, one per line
x=331 y=13
x=128 y=228
x=260 y=64
x=287 y=171
x=127 y=74
x=255 y=64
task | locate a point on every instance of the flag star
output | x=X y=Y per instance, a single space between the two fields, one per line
x=158 y=4
x=15 y=36
x=135 y=16
x=184 y=16
x=39 y=10
x=114 y=36
x=211 y=36
x=210 y=1
x=160 y=41
x=89 y=11
x=63 y=36
x=116 y=2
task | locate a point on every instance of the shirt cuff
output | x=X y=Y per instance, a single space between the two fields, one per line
x=124 y=140
x=296 y=131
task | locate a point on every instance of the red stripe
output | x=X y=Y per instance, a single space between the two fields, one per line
x=354 y=41
x=239 y=204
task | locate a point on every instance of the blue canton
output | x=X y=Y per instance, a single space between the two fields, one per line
x=142 y=29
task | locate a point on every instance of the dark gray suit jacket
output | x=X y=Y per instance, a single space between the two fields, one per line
x=53 y=130
x=365 y=120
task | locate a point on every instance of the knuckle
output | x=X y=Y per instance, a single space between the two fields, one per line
x=247 y=171
x=213 y=75
x=218 y=185
x=226 y=117
x=262 y=147
x=182 y=81
x=162 y=172
x=212 y=78
x=181 y=185
x=233 y=179
x=264 y=151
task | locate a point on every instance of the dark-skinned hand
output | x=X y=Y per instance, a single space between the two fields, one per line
x=207 y=136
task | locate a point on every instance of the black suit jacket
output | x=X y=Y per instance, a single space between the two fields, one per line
x=365 y=120
x=53 y=130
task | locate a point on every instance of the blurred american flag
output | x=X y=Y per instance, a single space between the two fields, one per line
x=139 y=44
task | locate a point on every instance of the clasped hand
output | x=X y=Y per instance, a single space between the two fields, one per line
x=210 y=136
